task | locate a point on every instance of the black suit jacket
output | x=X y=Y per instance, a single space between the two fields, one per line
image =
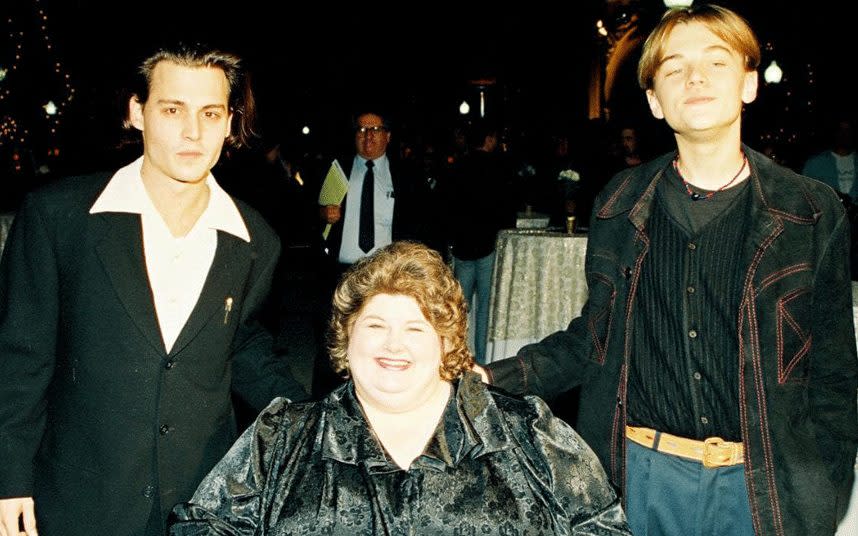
x=412 y=208
x=97 y=421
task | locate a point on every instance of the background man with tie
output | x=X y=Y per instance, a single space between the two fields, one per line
x=387 y=199
x=368 y=217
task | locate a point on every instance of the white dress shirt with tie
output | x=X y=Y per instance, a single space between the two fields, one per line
x=350 y=251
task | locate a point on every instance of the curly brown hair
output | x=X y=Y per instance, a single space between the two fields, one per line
x=408 y=269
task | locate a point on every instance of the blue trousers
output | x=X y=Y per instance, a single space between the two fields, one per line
x=477 y=275
x=667 y=495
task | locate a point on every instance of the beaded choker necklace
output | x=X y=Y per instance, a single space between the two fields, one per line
x=696 y=196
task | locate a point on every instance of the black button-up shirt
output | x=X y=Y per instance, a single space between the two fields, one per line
x=684 y=368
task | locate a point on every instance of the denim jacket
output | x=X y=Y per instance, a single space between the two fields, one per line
x=798 y=374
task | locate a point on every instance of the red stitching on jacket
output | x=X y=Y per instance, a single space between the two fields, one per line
x=743 y=417
x=621 y=388
x=609 y=311
x=758 y=382
x=613 y=199
x=633 y=290
x=780 y=274
x=791 y=217
x=783 y=315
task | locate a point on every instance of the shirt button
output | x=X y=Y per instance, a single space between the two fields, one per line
x=689 y=290
x=148 y=491
x=169 y=364
x=704 y=420
x=697 y=376
x=164 y=429
x=692 y=334
x=692 y=246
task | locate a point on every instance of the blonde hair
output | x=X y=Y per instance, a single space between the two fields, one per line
x=409 y=269
x=724 y=23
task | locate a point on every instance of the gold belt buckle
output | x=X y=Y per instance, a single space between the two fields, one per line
x=719 y=453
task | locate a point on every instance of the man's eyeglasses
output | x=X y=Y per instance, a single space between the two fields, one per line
x=376 y=130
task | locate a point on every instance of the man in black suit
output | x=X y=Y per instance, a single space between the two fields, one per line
x=129 y=310
x=392 y=206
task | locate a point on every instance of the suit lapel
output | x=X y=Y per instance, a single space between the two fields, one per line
x=231 y=263
x=121 y=255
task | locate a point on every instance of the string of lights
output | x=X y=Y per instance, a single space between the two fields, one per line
x=31 y=61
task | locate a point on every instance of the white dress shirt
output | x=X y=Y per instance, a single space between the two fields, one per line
x=383 y=200
x=177 y=266
x=845 y=171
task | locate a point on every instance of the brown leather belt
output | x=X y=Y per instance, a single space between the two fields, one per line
x=712 y=451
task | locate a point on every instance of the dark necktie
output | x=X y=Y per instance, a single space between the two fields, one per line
x=366 y=235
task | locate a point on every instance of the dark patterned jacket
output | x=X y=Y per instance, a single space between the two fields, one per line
x=495 y=465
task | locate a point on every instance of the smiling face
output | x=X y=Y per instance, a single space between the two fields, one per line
x=700 y=83
x=184 y=122
x=394 y=354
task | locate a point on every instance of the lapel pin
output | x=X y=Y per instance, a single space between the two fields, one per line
x=227 y=307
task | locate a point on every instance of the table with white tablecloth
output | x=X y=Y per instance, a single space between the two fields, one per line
x=538 y=286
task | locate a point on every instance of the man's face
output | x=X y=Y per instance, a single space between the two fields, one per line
x=701 y=83
x=184 y=122
x=630 y=141
x=371 y=138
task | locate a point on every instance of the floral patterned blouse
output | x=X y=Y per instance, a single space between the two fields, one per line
x=496 y=464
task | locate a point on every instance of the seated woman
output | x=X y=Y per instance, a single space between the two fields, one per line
x=413 y=443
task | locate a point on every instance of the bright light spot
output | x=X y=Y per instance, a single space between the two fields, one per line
x=773 y=73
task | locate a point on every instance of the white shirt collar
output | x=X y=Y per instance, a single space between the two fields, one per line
x=125 y=193
x=380 y=161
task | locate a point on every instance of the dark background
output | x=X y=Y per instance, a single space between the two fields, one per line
x=313 y=64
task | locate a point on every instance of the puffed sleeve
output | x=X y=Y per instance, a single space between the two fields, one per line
x=229 y=500
x=571 y=473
